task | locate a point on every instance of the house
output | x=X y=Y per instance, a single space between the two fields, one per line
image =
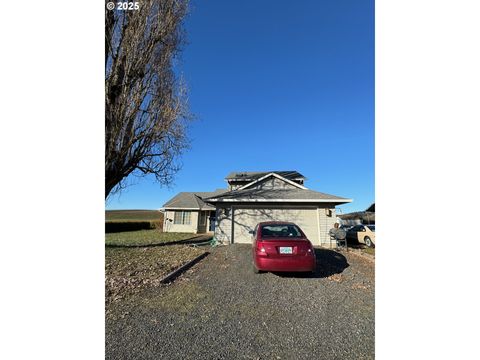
x=253 y=197
x=359 y=217
x=187 y=212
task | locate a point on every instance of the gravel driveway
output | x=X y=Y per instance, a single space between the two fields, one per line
x=221 y=310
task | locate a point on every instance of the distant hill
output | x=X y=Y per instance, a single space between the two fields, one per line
x=119 y=215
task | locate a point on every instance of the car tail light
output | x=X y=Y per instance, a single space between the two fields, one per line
x=310 y=250
x=261 y=251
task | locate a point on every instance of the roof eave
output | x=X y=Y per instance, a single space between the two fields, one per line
x=337 y=201
x=180 y=208
x=186 y=208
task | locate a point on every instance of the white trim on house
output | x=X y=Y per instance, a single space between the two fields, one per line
x=184 y=208
x=285 y=200
x=180 y=209
x=246 y=186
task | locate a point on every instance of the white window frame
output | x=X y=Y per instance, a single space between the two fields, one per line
x=182 y=218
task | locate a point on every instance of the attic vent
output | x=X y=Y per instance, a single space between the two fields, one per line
x=241 y=175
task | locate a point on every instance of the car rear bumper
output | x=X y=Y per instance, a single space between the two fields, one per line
x=290 y=263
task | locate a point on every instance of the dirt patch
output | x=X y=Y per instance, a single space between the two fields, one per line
x=129 y=270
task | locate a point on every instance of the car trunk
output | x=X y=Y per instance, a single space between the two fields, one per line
x=284 y=247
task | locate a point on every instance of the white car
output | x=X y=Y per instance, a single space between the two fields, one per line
x=364 y=234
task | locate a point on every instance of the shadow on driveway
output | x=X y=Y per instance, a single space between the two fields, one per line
x=329 y=262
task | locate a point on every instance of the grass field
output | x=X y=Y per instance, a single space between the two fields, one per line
x=144 y=237
x=125 y=215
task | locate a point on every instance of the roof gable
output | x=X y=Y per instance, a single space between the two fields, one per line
x=264 y=178
x=255 y=175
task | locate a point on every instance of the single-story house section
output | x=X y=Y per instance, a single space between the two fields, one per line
x=187 y=212
x=359 y=217
x=253 y=197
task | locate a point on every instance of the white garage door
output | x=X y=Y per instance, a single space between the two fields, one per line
x=245 y=219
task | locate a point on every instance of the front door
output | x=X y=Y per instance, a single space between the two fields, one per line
x=212 y=219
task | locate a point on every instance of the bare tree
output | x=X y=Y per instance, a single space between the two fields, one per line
x=145 y=103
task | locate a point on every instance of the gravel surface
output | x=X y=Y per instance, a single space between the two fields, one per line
x=219 y=309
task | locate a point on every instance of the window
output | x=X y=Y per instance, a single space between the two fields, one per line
x=281 y=230
x=182 y=217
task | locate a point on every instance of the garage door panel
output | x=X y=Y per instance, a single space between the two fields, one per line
x=246 y=220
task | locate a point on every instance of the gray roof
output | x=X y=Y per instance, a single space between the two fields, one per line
x=275 y=195
x=192 y=200
x=253 y=175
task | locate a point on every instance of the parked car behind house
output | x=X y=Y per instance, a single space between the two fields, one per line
x=364 y=234
x=281 y=246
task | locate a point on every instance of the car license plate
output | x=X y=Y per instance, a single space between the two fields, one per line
x=286 y=250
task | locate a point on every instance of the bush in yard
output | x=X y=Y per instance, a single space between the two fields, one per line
x=158 y=225
x=121 y=226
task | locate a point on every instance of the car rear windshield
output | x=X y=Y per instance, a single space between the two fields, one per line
x=371 y=227
x=281 y=230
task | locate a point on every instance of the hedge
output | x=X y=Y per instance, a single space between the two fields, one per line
x=131 y=225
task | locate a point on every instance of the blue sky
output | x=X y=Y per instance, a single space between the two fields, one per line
x=276 y=85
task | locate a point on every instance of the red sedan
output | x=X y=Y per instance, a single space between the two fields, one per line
x=281 y=246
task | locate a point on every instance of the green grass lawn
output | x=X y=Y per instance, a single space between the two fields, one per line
x=129 y=270
x=144 y=237
x=125 y=215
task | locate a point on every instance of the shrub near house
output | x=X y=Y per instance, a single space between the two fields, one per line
x=132 y=220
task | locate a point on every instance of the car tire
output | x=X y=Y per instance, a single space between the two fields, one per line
x=368 y=242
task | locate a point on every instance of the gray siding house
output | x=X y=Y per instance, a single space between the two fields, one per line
x=253 y=197
x=187 y=212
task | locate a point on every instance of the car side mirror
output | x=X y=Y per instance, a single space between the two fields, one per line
x=251 y=232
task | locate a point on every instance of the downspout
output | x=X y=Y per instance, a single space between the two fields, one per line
x=318 y=226
x=233 y=223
